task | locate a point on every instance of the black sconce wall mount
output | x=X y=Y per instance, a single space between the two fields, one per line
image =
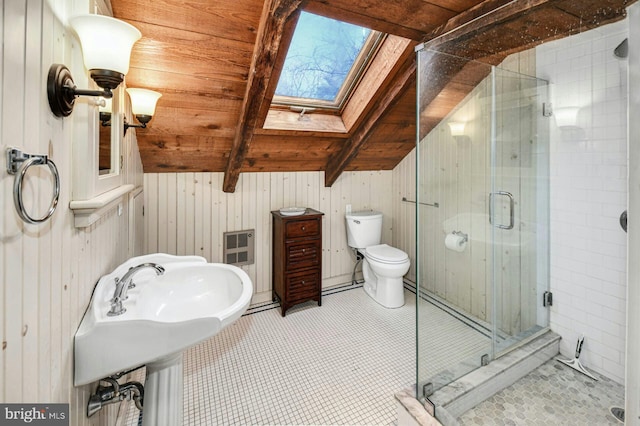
x=62 y=91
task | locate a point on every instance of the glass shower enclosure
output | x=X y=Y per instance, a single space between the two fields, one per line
x=482 y=216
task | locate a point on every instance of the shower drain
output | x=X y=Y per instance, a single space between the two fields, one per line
x=618 y=413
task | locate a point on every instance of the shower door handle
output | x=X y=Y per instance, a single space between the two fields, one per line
x=511 y=209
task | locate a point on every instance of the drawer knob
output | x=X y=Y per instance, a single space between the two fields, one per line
x=303 y=250
x=303 y=282
x=304 y=228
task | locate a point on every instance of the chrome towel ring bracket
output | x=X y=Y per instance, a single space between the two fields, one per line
x=17 y=164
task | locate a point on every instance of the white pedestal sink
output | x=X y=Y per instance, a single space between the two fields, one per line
x=191 y=302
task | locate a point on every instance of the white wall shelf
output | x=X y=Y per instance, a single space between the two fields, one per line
x=87 y=212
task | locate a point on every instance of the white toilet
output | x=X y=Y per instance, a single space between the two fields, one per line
x=383 y=266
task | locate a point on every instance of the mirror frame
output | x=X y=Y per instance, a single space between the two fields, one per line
x=110 y=180
x=88 y=183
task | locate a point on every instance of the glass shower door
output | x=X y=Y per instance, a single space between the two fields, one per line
x=454 y=303
x=481 y=216
x=519 y=207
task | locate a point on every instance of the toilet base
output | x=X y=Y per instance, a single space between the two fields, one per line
x=389 y=295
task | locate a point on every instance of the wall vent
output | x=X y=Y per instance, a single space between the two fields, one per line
x=239 y=247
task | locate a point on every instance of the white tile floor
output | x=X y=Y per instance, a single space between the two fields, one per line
x=340 y=364
x=337 y=364
x=448 y=346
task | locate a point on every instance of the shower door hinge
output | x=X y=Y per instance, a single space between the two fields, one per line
x=427 y=389
x=547 y=299
x=547 y=109
x=484 y=360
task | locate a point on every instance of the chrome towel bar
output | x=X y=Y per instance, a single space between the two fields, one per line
x=424 y=204
x=17 y=164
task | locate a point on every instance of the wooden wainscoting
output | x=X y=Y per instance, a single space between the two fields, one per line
x=187 y=213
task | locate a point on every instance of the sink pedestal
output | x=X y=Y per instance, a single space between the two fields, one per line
x=164 y=393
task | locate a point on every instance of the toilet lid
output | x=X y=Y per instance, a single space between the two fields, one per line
x=386 y=254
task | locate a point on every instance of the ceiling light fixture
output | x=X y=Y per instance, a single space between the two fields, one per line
x=106 y=48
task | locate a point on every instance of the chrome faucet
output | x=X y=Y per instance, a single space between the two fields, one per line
x=124 y=284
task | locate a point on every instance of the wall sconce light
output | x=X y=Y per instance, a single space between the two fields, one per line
x=106 y=48
x=457 y=130
x=143 y=106
x=567 y=117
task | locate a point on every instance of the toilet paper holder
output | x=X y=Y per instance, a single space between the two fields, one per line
x=465 y=237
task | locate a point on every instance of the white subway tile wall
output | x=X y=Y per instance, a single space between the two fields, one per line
x=588 y=194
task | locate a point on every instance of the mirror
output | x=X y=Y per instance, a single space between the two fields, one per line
x=110 y=130
x=104 y=139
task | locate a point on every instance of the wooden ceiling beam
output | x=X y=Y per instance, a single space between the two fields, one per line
x=403 y=80
x=576 y=15
x=275 y=15
x=467 y=17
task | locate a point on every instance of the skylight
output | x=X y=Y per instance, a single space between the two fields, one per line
x=324 y=61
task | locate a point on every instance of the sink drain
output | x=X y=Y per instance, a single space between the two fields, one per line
x=618 y=413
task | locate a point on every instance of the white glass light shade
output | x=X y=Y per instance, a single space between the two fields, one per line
x=107 y=106
x=143 y=101
x=457 y=128
x=106 y=42
x=566 y=117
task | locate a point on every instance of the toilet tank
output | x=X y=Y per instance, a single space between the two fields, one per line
x=364 y=228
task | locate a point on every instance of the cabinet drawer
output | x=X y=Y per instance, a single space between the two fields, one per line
x=303 y=254
x=302 y=228
x=303 y=285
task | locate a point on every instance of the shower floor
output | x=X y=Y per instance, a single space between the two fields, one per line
x=553 y=394
x=339 y=364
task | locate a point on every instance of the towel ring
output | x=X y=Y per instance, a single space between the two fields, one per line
x=15 y=156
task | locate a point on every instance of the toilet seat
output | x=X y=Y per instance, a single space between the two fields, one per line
x=384 y=253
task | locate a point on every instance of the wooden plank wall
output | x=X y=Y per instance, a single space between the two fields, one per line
x=47 y=271
x=187 y=213
x=456 y=175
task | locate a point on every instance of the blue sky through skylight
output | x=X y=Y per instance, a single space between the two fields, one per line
x=321 y=54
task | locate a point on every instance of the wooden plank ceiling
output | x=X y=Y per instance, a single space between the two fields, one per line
x=216 y=64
